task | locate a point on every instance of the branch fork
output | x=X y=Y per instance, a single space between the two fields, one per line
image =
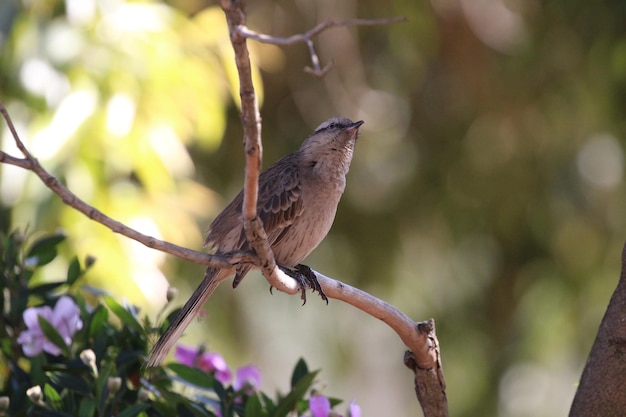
x=424 y=354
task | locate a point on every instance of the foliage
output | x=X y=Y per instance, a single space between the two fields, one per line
x=487 y=189
x=87 y=359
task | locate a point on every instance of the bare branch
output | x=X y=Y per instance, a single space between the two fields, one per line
x=30 y=163
x=420 y=338
x=423 y=357
x=306 y=37
x=251 y=120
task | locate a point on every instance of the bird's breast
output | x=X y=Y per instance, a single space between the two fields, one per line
x=320 y=205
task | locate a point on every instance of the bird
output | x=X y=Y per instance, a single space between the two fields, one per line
x=297 y=202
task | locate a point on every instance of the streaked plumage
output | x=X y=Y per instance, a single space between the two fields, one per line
x=297 y=201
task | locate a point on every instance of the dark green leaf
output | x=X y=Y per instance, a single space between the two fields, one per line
x=301 y=369
x=193 y=376
x=134 y=410
x=52 y=335
x=47 y=288
x=99 y=318
x=44 y=250
x=51 y=413
x=87 y=407
x=70 y=382
x=254 y=407
x=269 y=403
x=123 y=314
x=73 y=271
x=297 y=392
x=334 y=401
x=42 y=258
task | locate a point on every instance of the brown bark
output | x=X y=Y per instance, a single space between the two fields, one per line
x=602 y=388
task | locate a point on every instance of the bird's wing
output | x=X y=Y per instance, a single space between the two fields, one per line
x=280 y=202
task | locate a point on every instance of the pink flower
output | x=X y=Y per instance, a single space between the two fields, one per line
x=319 y=405
x=247 y=376
x=65 y=318
x=354 y=410
x=207 y=361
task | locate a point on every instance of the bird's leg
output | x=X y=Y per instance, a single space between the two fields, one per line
x=300 y=279
x=305 y=277
x=311 y=279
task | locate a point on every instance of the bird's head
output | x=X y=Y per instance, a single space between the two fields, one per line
x=331 y=145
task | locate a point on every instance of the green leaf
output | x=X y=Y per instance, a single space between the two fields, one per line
x=297 y=392
x=47 y=288
x=123 y=314
x=269 y=403
x=301 y=369
x=70 y=382
x=254 y=407
x=87 y=407
x=134 y=410
x=43 y=251
x=52 y=396
x=193 y=376
x=99 y=318
x=73 y=271
x=53 y=335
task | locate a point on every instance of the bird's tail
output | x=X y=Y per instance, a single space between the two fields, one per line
x=212 y=278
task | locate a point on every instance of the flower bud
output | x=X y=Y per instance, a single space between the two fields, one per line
x=4 y=405
x=114 y=383
x=171 y=293
x=35 y=394
x=89 y=358
x=89 y=261
x=143 y=395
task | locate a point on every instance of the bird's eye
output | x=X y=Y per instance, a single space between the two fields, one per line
x=332 y=125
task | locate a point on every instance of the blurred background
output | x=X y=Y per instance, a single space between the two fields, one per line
x=487 y=189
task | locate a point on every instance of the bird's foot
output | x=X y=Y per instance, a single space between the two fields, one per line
x=305 y=277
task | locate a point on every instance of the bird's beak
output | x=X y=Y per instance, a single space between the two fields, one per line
x=354 y=126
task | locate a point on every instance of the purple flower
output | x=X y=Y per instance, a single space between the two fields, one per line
x=354 y=410
x=207 y=361
x=65 y=318
x=319 y=405
x=247 y=376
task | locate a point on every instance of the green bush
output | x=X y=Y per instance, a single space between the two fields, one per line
x=63 y=356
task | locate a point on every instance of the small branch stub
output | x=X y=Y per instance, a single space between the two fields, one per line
x=430 y=386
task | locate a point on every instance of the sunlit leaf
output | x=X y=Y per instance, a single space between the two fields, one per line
x=193 y=376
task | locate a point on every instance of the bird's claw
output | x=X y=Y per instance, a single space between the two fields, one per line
x=305 y=277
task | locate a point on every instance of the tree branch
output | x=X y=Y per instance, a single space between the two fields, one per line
x=423 y=357
x=602 y=387
x=32 y=164
x=307 y=37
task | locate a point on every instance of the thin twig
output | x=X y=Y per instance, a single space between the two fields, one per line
x=418 y=337
x=32 y=164
x=307 y=37
x=303 y=37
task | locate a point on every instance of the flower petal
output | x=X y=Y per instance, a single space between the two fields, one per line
x=214 y=362
x=319 y=405
x=186 y=355
x=248 y=375
x=354 y=410
x=32 y=342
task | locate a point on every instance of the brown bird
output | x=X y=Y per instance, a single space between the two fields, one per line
x=297 y=202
